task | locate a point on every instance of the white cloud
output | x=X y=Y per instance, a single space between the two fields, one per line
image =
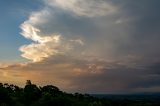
x=38 y=52
x=78 y=41
x=87 y=8
x=44 y=46
x=41 y=27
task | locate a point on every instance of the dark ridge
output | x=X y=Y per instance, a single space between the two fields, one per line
x=49 y=95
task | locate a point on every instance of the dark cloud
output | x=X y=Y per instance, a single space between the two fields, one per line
x=154 y=68
x=143 y=29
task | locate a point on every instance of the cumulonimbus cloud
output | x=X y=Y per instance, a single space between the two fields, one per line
x=45 y=45
x=58 y=58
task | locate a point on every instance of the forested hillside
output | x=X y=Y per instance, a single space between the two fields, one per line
x=32 y=95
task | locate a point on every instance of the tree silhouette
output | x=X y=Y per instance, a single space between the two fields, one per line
x=49 y=95
x=31 y=92
x=28 y=82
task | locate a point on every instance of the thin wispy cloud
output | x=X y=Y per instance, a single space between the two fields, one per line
x=90 y=8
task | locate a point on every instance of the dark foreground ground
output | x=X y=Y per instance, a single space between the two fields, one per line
x=140 y=99
x=31 y=95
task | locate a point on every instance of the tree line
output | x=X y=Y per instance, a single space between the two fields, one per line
x=49 y=95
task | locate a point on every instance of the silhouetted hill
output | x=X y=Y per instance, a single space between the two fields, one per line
x=31 y=95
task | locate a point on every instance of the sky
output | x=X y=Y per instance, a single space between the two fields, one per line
x=87 y=46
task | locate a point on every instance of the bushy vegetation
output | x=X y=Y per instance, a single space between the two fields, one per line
x=31 y=95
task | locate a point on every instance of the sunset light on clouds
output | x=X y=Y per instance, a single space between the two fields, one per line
x=94 y=46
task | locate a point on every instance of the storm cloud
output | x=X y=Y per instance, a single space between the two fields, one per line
x=105 y=46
